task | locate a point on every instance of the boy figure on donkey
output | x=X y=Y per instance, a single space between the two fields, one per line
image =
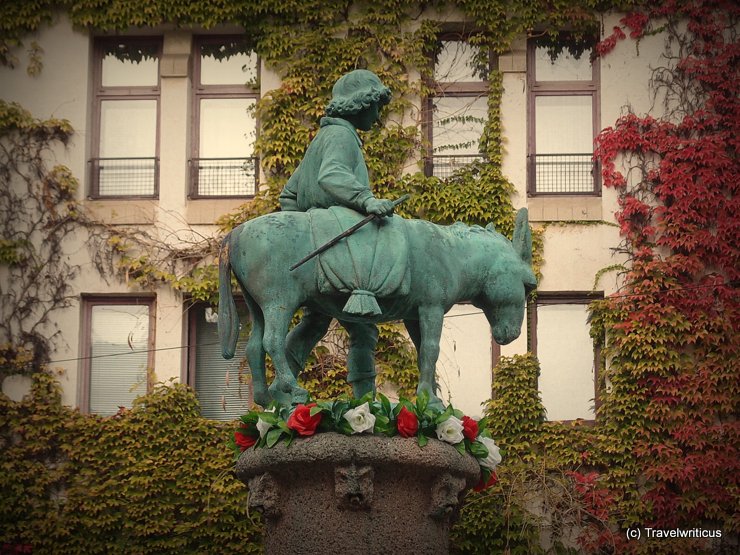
x=333 y=175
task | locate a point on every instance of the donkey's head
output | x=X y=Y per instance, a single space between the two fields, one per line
x=510 y=282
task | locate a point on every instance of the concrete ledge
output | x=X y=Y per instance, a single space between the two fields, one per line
x=564 y=208
x=121 y=212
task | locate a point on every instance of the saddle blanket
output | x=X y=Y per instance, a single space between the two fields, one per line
x=371 y=262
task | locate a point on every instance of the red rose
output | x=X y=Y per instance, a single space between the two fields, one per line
x=407 y=423
x=470 y=428
x=244 y=441
x=491 y=481
x=302 y=422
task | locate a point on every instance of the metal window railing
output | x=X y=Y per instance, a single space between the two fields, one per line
x=224 y=177
x=444 y=165
x=124 y=177
x=563 y=173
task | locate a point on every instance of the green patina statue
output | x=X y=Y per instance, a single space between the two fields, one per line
x=390 y=269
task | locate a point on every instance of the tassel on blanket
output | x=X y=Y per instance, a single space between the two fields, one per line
x=362 y=303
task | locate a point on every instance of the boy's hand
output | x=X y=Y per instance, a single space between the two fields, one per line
x=381 y=207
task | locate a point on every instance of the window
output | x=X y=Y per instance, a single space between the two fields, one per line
x=125 y=149
x=225 y=93
x=465 y=359
x=117 y=345
x=458 y=107
x=563 y=121
x=222 y=385
x=560 y=338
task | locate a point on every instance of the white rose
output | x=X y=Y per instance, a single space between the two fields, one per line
x=360 y=419
x=451 y=430
x=494 y=456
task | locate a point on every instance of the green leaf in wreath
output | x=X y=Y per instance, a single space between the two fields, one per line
x=273 y=436
x=385 y=403
x=269 y=417
x=382 y=424
x=478 y=450
x=250 y=418
x=444 y=415
x=422 y=402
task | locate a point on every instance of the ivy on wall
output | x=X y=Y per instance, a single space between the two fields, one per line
x=664 y=449
x=153 y=479
x=673 y=337
x=37 y=214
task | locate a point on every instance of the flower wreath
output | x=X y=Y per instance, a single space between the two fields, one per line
x=365 y=415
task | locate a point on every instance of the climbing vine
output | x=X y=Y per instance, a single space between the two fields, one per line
x=664 y=449
x=673 y=329
x=38 y=212
x=153 y=479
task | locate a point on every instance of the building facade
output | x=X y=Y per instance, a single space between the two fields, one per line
x=165 y=127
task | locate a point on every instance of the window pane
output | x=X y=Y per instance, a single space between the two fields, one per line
x=564 y=68
x=566 y=354
x=227 y=64
x=122 y=333
x=128 y=128
x=227 y=128
x=564 y=124
x=464 y=365
x=221 y=384
x=127 y=163
x=456 y=62
x=458 y=124
x=130 y=65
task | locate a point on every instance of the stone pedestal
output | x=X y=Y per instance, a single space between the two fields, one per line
x=357 y=494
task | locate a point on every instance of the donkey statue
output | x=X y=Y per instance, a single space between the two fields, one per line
x=446 y=265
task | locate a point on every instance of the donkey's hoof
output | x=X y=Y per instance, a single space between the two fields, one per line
x=262 y=398
x=360 y=388
x=283 y=398
x=287 y=394
x=436 y=403
x=300 y=395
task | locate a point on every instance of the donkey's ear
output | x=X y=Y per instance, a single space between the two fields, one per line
x=491 y=227
x=522 y=239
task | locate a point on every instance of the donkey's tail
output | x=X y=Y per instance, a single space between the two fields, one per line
x=228 y=319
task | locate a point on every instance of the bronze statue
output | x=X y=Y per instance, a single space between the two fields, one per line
x=390 y=269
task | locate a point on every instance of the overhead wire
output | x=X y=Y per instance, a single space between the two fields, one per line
x=732 y=284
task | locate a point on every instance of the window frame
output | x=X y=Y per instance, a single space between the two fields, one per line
x=440 y=89
x=201 y=92
x=133 y=92
x=546 y=298
x=536 y=89
x=87 y=302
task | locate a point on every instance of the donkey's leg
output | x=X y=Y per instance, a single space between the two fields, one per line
x=363 y=337
x=284 y=388
x=304 y=337
x=256 y=353
x=430 y=332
